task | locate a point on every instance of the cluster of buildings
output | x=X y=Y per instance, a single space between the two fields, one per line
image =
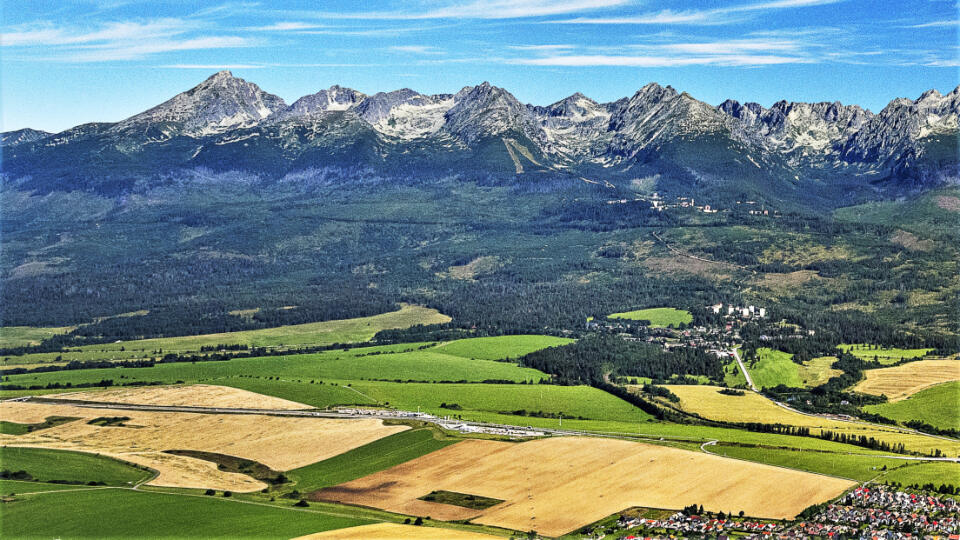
x=880 y=512
x=741 y=312
x=868 y=513
x=445 y=422
x=681 y=524
x=660 y=204
x=503 y=431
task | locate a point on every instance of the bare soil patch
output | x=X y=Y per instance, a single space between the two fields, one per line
x=910 y=241
x=949 y=202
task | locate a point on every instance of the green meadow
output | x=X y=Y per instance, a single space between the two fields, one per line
x=661 y=316
x=938 y=406
x=883 y=355
x=500 y=347
x=317 y=333
x=368 y=459
x=772 y=368
x=393 y=362
x=935 y=473
x=854 y=467
x=26 y=336
x=73 y=467
x=123 y=513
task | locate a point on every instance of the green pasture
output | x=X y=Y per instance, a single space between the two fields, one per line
x=935 y=473
x=661 y=316
x=27 y=336
x=317 y=333
x=884 y=355
x=500 y=347
x=75 y=467
x=854 y=467
x=368 y=459
x=13 y=487
x=354 y=364
x=774 y=367
x=938 y=406
x=123 y=513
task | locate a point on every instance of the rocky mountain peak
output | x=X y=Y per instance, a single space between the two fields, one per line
x=220 y=103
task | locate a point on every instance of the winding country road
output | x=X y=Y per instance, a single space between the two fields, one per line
x=743 y=368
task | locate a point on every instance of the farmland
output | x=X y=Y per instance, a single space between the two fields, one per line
x=318 y=333
x=771 y=368
x=938 y=406
x=391 y=531
x=606 y=475
x=369 y=458
x=70 y=467
x=417 y=361
x=855 y=467
x=661 y=316
x=197 y=395
x=499 y=347
x=94 y=514
x=925 y=473
x=709 y=403
x=901 y=381
x=281 y=443
x=883 y=355
x=25 y=336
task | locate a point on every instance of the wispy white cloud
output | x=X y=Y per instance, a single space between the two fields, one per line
x=549 y=48
x=701 y=16
x=479 y=9
x=286 y=26
x=212 y=66
x=416 y=49
x=936 y=24
x=599 y=60
x=669 y=52
x=111 y=41
x=49 y=34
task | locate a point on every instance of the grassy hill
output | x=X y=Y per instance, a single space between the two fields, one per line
x=938 y=406
x=662 y=316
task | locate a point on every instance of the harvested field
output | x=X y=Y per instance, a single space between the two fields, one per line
x=194 y=395
x=560 y=484
x=281 y=443
x=901 y=381
x=391 y=531
x=752 y=407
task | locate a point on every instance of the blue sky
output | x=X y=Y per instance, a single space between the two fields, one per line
x=66 y=62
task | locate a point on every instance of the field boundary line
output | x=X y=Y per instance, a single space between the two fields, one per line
x=376 y=401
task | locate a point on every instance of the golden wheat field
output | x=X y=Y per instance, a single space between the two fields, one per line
x=192 y=395
x=557 y=485
x=900 y=382
x=709 y=403
x=392 y=531
x=281 y=443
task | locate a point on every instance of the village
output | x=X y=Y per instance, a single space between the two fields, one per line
x=717 y=337
x=868 y=512
x=661 y=203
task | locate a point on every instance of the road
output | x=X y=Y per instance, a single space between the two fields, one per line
x=743 y=368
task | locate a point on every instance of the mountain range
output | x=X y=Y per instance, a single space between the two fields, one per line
x=657 y=137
